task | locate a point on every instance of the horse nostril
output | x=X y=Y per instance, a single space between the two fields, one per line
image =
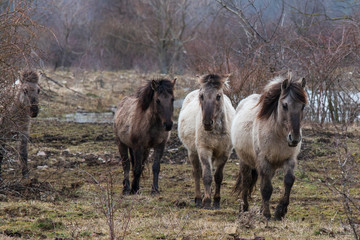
x=211 y=122
x=290 y=138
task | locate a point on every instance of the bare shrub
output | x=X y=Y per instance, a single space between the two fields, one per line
x=110 y=205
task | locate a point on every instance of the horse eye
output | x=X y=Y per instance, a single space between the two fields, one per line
x=218 y=97
x=285 y=106
x=303 y=106
x=158 y=101
x=38 y=91
x=202 y=97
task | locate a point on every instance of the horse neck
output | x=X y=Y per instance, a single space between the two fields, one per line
x=19 y=107
x=149 y=118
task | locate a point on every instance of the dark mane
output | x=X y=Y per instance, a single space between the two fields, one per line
x=269 y=99
x=212 y=80
x=145 y=93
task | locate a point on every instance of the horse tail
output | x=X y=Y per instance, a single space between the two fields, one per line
x=238 y=185
x=245 y=180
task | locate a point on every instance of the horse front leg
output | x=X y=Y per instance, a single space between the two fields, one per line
x=206 y=165
x=158 y=153
x=266 y=174
x=218 y=180
x=137 y=169
x=289 y=179
x=2 y=153
x=197 y=172
x=123 y=150
x=23 y=151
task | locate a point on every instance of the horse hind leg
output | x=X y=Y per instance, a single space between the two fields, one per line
x=244 y=184
x=123 y=150
x=197 y=172
x=281 y=208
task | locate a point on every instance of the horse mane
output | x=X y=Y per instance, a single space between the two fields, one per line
x=145 y=94
x=269 y=99
x=30 y=76
x=212 y=80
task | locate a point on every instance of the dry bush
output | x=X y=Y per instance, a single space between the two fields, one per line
x=18 y=33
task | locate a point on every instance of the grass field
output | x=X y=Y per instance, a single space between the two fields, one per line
x=61 y=200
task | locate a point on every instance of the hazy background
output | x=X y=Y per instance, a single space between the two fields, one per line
x=252 y=39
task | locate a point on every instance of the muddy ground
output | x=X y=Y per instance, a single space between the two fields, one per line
x=73 y=166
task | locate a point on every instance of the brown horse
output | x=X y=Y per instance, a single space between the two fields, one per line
x=266 y=135
x=204 y=129
x=16 y=123
x=142 y=122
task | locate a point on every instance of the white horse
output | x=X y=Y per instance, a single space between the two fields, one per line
x=204 y=128
x=266 y=135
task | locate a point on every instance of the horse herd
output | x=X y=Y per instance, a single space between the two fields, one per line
x=264 y=130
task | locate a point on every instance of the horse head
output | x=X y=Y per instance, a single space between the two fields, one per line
x=29 y=94
x=290 y=108
x=211 y=98
x=164 y=101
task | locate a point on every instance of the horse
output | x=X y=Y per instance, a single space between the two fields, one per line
x=15 y=124
x=266 y=135
x=204 y=129
x=141 y=122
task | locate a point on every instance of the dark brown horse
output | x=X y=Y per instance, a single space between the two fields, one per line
x=15 y=124
x=142 y=122
x=266 y=134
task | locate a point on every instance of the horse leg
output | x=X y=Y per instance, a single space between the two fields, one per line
x=23 y=150
x=266 y=174
x=218 y=180
x=197 y=172
x=205 y=158
x=281 y=208
x=159 y=150
x=137 y=169
x=123 y=150
x=2 y=153
x=246 y=182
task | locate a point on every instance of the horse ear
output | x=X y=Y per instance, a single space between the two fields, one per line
x=173 y=82
x=284 y=84
x=226 y=77
x=302 y=82
x=154 y=85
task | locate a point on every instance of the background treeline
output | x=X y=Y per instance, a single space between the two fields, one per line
x=252 y=39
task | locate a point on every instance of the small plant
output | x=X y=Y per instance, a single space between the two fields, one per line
x=110 y=205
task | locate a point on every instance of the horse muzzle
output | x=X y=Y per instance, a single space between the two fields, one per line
x=34 y=111
x=208 y=125
x=168 y=126
x=293 y=142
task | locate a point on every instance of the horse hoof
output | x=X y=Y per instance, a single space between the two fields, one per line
x=126 y=191
x=206 y=203
x=155 y=192
x=280 y=212
x=216 y=204
x=198 y=202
